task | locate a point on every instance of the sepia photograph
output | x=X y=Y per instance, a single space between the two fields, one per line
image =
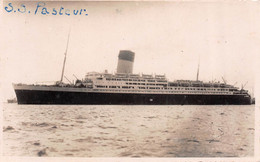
x=138 y=79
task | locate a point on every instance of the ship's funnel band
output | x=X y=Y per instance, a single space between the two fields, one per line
x=126 y=55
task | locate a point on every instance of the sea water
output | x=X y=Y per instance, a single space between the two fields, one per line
x=128 y=131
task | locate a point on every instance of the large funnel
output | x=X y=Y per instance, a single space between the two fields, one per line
x=125 y=61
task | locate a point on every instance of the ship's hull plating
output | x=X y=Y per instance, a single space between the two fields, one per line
x=96 y=98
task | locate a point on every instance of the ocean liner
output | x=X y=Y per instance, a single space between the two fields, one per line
x=126 y=88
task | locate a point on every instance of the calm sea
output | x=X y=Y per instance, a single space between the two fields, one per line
x=128 y=131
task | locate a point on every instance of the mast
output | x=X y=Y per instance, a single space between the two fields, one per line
x=198 y=71
x=62 y=73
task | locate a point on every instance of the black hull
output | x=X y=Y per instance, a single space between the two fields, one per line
x=91 y=98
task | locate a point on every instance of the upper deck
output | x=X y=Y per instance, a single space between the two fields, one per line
x=156 y=83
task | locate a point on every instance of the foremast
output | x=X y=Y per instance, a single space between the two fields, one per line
x=65 y=56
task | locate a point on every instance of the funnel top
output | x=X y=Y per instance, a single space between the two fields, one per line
x=126 y=55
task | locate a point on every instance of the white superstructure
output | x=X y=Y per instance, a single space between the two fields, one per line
x=144 y=83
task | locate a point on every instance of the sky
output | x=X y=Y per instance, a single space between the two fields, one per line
x=169 y=38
